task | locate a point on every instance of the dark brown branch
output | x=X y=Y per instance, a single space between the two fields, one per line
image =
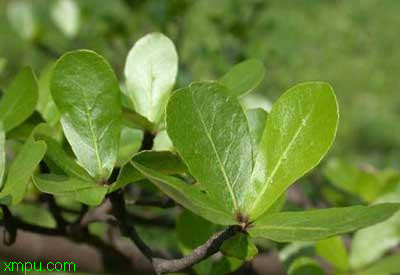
x=119 y=210
x=202 y=252
x=148 y=141
x=161 y=265
x=55 y=211
x=10 y=227
x=98 y=214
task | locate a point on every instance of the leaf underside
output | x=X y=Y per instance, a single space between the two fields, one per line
x=150 y=73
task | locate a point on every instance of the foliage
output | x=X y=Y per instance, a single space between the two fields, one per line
x=92 y=135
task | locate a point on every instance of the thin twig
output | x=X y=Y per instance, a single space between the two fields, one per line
x=164 y=265
x=10 y=227
x=148 y=141
x=55 y=211
x=98 y=214
x=202 y=252
x=119 y=210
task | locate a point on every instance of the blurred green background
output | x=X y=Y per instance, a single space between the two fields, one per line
x=351 y=44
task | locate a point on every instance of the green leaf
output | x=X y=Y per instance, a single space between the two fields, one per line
x=34 y=214
x=239 y=246
x=305 y=266
x=367 y=185
x=256 y=119
x=65 y=14
x=163 y=162
x=130 y=142
x=189 y=196
x=217 y=149
x=299 y=131
x=369 y=244
x=134 y=119
x=319 y=224
x=59 y=157
x=386 y=266
x=225 y=265
x=2 y=154
x=20 y=15
x=45 y=105
x=89 y=193
x=244 y=77
x=334 y=251
x=150 y=72
x=86 y=93
x=162 y=142
x=256 y=101
x=19 y=100
x=22 y=169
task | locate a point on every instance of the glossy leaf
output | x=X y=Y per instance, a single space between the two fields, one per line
x=150 y=73
x=2 y=154
x=19 y=100
x=369 y=244
x=305 y=266
x=299 y=131
x=240 y=246
x=89 y=193
x=21 y=170
x=334 y=251
x=189 y=196
x=244 y=77
x=86 y=93
x=217 y=149
x=163 y=162
x=319 y=224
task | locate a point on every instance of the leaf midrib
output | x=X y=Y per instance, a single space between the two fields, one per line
x=281 y=227
x=220 y=164
x=94 y=139
x=279 y=162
